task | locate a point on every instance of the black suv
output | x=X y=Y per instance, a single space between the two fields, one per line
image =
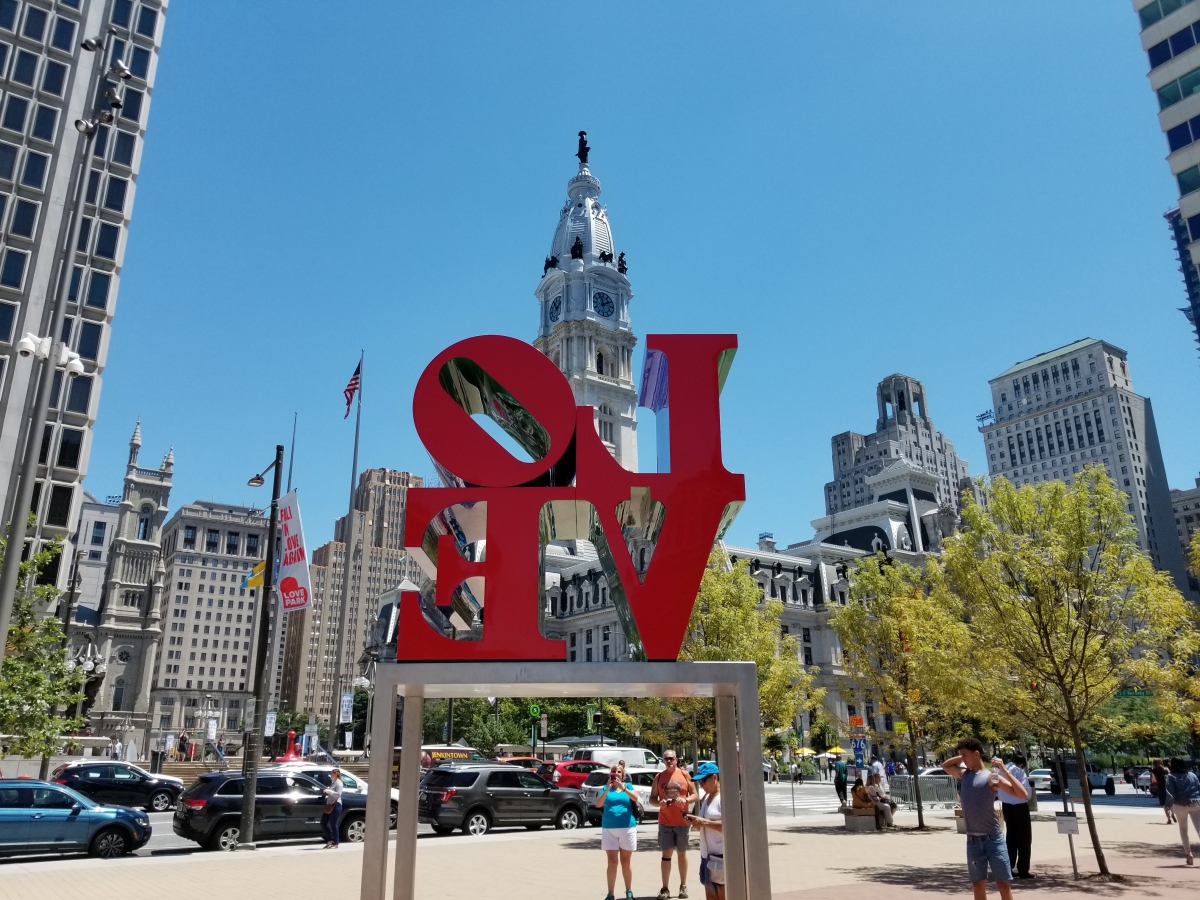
x=477 y=796
x=287 y=805
x=120 y=784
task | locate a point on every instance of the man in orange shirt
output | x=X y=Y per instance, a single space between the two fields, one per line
x=673 y=793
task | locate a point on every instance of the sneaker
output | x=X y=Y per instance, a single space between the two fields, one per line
x=683 y=892
x=664 y=894
x=629 y=895
x=610 y=897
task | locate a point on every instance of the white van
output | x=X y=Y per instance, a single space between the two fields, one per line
x=635 y=757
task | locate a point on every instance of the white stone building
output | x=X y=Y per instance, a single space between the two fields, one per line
x=123 y=618
x=583 y=304
x=209 y=619
x=1060 y=410
x=1186 y=505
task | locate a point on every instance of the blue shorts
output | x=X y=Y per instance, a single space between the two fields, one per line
x=985 y=850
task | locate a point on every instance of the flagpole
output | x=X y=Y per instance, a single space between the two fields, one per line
x=278 y=613
x=347 y=559
x=292 y=451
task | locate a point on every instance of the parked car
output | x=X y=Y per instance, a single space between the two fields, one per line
x=642 y=781
x=1039 y=779
x=350 y=784
x=1097 y=778
x=120 y=783
x=41 y=815
x=476 y=797
x=1132 y=773
x=532 y=763
x=569 y=772
x=286 y=805
x=634 y=757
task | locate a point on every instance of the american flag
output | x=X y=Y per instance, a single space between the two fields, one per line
x=352 y=387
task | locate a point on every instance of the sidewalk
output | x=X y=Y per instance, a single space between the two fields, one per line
x=811 y=859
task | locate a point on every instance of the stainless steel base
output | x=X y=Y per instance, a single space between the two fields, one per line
x=733 y=684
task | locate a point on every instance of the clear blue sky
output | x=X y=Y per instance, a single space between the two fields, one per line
x=934 y=188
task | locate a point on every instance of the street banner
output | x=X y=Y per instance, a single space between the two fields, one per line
x=295 y=592
x=269 y=725
x=211 y=734
x=347 y=711
x=349 y=736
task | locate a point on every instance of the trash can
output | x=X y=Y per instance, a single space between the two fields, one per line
x=156 y=761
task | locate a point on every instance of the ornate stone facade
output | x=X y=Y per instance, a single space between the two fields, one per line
x=126 y=624
x=583 y=300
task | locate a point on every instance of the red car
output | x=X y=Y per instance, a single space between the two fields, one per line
x=569 y=773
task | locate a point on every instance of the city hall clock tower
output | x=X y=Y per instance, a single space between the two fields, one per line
x=583 y=303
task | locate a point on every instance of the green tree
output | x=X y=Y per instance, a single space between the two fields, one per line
x=824 y=734
x=730 y=621
x=1065 y=608
x=35 y=681
x=904 y=642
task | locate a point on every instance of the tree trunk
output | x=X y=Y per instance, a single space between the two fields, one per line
x=1086 y=790
x=913 y=768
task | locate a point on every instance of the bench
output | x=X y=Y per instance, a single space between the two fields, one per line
x=858 y=819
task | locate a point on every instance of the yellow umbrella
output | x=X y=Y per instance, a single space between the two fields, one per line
x=835 y=750
x=805 y=751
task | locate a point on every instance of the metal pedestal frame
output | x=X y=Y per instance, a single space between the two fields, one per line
x=734 y=686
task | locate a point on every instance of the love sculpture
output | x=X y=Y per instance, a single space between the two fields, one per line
x=573 y=488
x=480 y=541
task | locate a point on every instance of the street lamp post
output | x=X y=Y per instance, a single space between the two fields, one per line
x=254 y=736
x=53 y=352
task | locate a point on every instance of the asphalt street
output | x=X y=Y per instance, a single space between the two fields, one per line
x=812 y=798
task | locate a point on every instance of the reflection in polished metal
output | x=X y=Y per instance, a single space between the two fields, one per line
x=734 y=686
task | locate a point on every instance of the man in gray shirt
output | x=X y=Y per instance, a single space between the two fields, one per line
x=985 y=842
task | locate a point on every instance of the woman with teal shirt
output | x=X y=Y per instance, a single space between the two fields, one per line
x=618 y=830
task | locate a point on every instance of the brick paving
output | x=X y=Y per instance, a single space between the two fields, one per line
x=812 y=858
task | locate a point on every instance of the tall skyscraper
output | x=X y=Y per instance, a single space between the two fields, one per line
x=1170 y=32
x=1061 y=410
x=379 y=563
x=903 y=430
x=583 y=300
x=46 y=75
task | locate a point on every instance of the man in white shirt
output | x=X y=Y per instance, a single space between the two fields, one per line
x=1016 y=820
x=878 y=768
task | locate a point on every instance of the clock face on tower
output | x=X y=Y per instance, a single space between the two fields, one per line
x=603 y=303
x=555 y=309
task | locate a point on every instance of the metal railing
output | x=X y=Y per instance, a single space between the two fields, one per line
x=936 y=790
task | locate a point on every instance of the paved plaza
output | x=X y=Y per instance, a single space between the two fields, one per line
x=812 y=858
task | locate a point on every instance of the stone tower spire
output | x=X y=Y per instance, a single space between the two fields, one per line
x=135 y=442
x=583 y=300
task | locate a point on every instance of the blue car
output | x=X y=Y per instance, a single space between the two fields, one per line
x=36 y=816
